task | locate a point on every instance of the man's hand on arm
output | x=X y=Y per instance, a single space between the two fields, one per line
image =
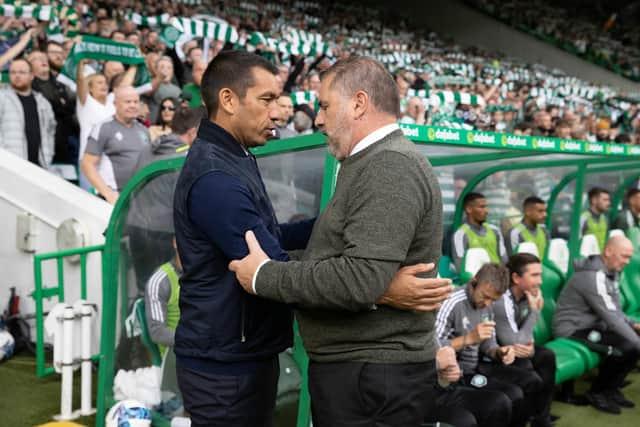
x=636 y=327
x=407 y=291
x=247 y=267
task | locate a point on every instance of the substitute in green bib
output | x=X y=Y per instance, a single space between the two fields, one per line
x=594 y=220
x=531 y=228
x=475 y=232
x=161 y=302
x=629 y=217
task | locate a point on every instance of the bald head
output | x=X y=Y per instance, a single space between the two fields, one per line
x=127 y=103
x=617 y=253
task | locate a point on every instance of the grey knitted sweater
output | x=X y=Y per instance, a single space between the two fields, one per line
x=386 y=212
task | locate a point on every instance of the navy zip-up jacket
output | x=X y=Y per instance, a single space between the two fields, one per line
x=219 y=196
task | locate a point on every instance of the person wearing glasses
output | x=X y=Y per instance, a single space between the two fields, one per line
x=162 y=127
x=31 y=139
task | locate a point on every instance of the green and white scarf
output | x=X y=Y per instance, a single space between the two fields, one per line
x=305 y=97
x=102 y=49
x=447 y=97
x=196 y=28
x=37 y=11
x=149 y=21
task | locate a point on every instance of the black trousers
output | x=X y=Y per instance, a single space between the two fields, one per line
x=463 y=406
x=358 y=394
x=514 y=383
x=543 y=363
x=245 y=400
x=615 y=367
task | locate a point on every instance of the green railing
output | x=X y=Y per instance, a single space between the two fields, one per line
x=40 y=293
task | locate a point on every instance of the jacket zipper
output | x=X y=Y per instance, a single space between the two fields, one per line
x=243 y=337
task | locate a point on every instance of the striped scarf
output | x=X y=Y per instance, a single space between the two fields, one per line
x=102 y=49
x=447 y=97
x=149 y=21
x=37 y=11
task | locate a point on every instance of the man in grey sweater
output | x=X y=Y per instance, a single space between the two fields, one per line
x=516 y=314
x=589 y=311
x=370 y=365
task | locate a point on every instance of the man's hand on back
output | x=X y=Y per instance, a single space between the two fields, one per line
x=409 y=292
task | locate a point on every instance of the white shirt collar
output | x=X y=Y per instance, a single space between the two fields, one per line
x=374 y=137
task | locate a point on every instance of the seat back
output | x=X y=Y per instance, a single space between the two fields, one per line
x=151 y=347
x=615 y=232
x=527 y=248
x=589 y=246
x=558 y=253
x=474 y=258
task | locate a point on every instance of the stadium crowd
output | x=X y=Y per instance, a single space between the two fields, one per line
x=604 y=38
x=45 y=47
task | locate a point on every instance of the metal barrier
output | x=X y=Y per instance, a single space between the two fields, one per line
x=41 y=292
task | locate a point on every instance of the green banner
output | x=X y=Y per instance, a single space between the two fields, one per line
x=480 y=139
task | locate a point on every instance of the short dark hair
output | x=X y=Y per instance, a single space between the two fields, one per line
x=185 y=119
x=357 y=73
x=632 y=192
x=495 y=274
x=518 y=262
x=22 y=58
x=470 y=197
x=532 y=200
x=595 y=192
x=231 y=69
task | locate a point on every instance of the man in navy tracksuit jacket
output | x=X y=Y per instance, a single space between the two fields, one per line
x=227 y=341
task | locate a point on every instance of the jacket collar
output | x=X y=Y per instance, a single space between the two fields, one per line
x=214 y=134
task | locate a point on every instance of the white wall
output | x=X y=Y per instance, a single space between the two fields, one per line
x=469 y=27
x=25 y=187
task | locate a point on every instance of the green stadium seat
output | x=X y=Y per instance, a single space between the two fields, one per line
x=473 y=259
x=152 y=348
x=558 y=255
x=630 y=278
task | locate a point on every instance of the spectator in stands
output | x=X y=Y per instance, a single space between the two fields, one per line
x=184 y=126
x=589 y=311
x=594 y=220
x=193 y=87
x=415 y=112
x=516 y=314
x=465 y=323
x=629 y=217
x=94 y=105
x=475 y=232
x=563 y=129
x=531 y=228
x=303 y=120
x=56 y=55
x=168 y=107
x=64 y=106
x=194 y=54
x=27 y=122
x=17 y=48
x=285 y=105
x=460 y=405
x=161 y=302
x=603 y=131
x=111 y=69
x=116 y=145
x=162 y=85
x=543 y=126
